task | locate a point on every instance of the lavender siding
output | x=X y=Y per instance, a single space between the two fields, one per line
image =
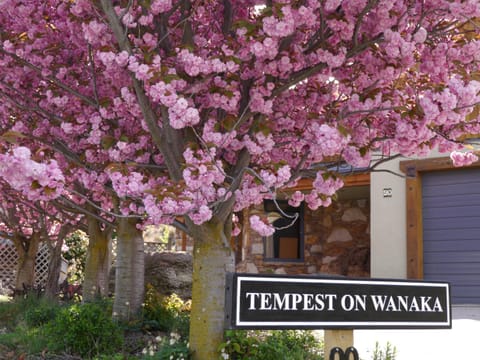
x=451 y=231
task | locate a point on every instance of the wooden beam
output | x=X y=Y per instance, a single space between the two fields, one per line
x=349 y=180
x=414 y=228
x=432 y=164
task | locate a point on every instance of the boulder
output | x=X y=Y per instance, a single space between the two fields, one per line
x=167 y=272
x=170 y=272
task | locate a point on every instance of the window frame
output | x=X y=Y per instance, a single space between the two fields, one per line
x=270 y=206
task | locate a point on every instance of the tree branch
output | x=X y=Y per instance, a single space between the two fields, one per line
x=51 y=79
x=172 y=158
x=227 y=17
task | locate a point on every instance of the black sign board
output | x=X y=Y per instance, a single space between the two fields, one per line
x=293 y=302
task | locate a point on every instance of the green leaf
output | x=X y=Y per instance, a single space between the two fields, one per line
x=107 y=142
x=12 y=137
x=474 y=114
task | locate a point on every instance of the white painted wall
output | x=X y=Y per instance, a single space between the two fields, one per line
x=388 y=223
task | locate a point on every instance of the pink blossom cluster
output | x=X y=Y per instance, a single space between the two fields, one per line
x=202 y=174
x=296 y=198
x=226 y=95
x=261 y=226
x=260 y=144
x=35 y=180
x=182 y=115
x=463 y=158
x=195 y=65
x=355 y=158
x=450 y=106
x=160 y=6
x=278 y=180
x=203 y=185
x=131 y=185
x=285 y=87
x=266 y=49
x=96 y=33
x=325 y=140
x=165 y=209
x=397 y=47
x=331 y=59
x=278 y=27
x=181 y=112
x=327 y=184
x=250 y=193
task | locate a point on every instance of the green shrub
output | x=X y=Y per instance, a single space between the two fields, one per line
x=9 y=311
x=76 y=254
x=389 y=353
x=86 y=330
x=24 y=340
x=172 y=347
x=166 y=313
x=271 y=345
x=33 y=310
x=40 y=313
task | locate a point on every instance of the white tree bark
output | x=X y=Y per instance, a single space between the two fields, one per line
x=130 y=271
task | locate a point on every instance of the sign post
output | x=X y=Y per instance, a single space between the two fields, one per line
x=337 y=338
x=337 y=305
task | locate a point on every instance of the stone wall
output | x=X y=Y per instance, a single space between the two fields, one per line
x=337 y=241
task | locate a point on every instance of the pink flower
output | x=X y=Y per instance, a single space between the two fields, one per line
x=463 y=158
x=420 y=36
x=37 y=181
x=260 y=226
x=160 y=6
x=296 y=199
x=203 y=214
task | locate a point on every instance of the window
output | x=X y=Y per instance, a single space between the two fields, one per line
x=286 y=243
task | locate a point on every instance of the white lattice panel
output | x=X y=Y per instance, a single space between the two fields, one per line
x=41 y=265
x=9 y=260
x=8 y=264
x=153 y=247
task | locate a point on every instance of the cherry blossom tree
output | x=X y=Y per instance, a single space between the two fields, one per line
x=27 y=225
x=200 y=109
x=45 y=182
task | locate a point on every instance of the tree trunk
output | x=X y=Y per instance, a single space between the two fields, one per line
x=51 y=287
x=97 y=263
x=54 y=266
x=129 y=271
x=212 y=259
x=27 y=252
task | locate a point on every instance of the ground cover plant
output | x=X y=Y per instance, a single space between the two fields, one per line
x=36 y=328
x=271 y=345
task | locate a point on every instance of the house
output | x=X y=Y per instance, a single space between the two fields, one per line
x=331 y=240
x=412 y=219
x=429 y=226
x=419 y=219
x=425 y=224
